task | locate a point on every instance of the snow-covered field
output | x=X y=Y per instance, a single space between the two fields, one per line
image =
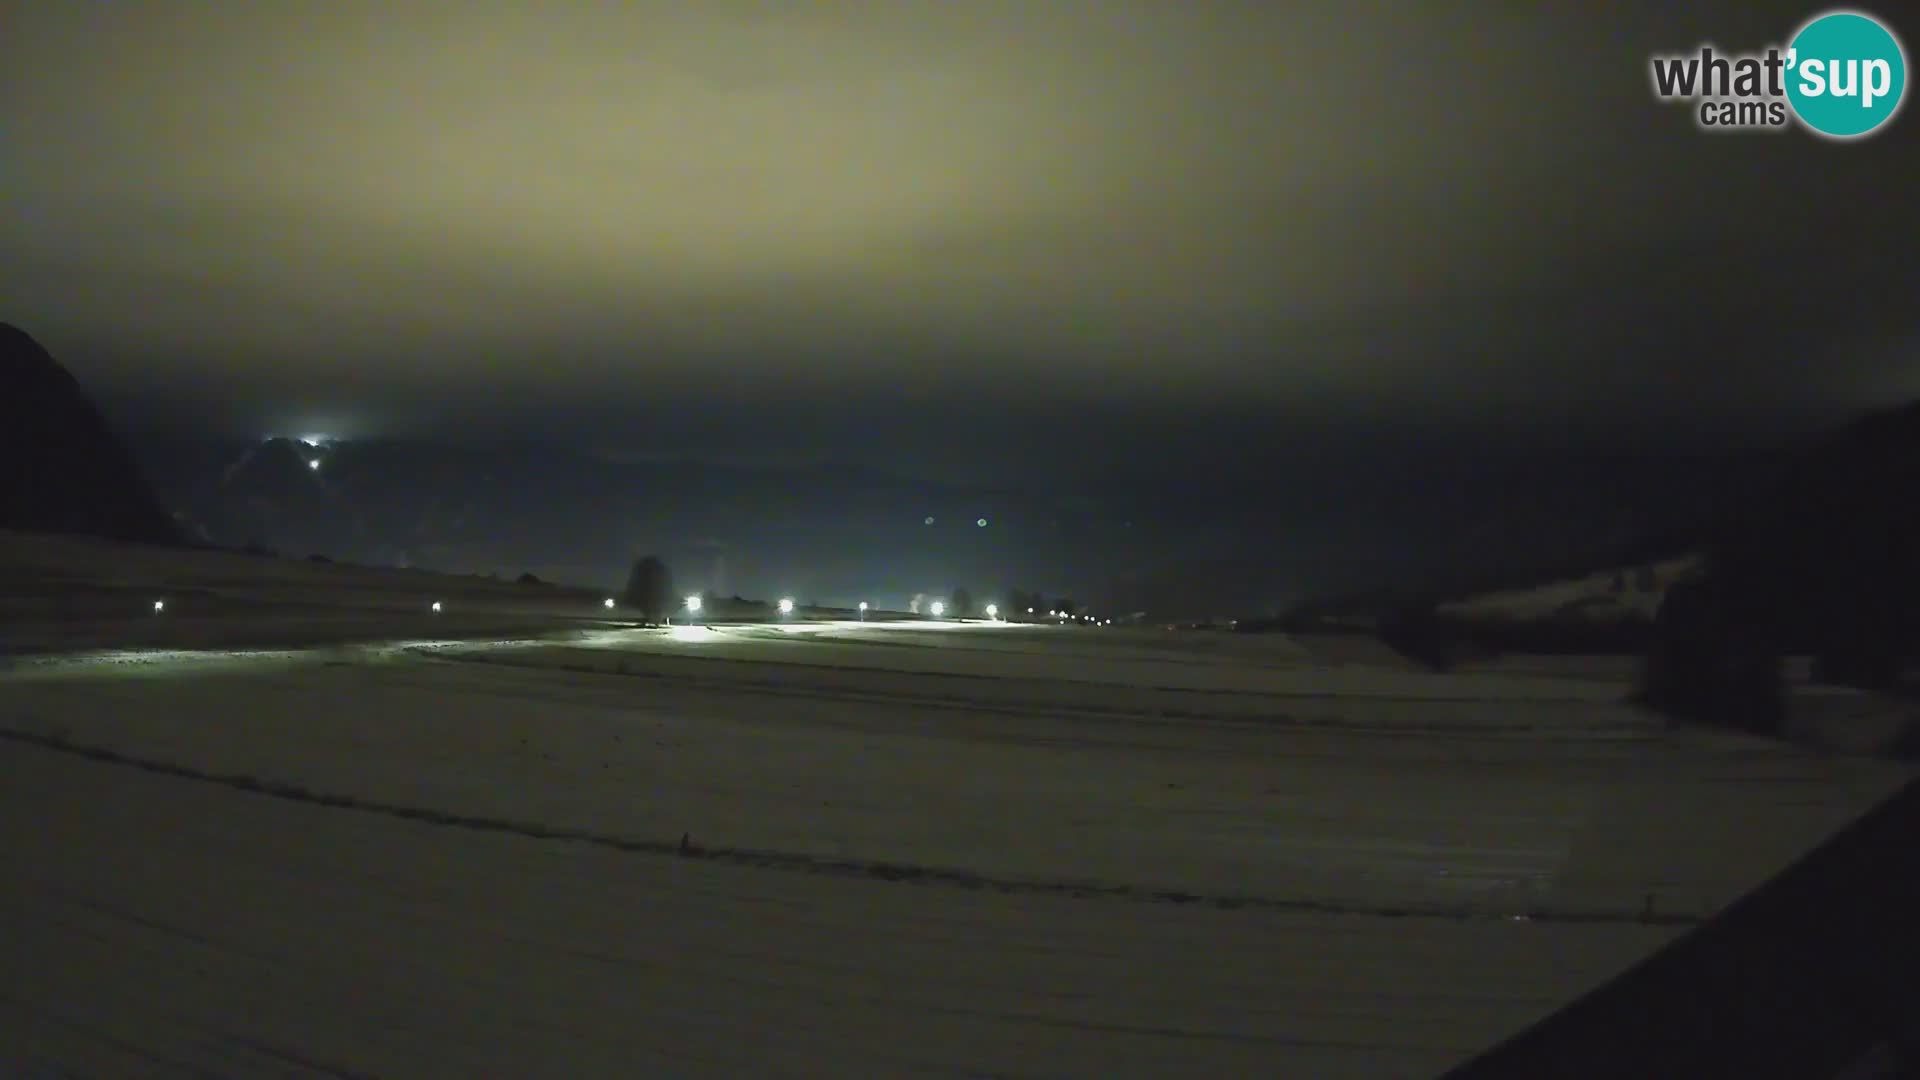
x=62 y=593
x=912 y=848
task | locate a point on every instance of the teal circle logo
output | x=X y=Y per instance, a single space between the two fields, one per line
x=1846 y=74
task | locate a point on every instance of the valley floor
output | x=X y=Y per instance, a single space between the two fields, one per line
x=869 y=850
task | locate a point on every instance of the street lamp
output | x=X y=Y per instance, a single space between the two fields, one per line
x=863 y=611
x=786 y=605
x=435 y=607
x=159 y=606
x=993 y=611
x=608 y=603
x=939 y=608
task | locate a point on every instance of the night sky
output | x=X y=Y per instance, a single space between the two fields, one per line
x=995 y=237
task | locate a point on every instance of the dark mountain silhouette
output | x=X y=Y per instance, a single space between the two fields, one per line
x=62 y=470
x=275 y=494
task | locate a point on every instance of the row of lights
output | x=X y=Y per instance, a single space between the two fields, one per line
x=786 y=607
x=694 y=605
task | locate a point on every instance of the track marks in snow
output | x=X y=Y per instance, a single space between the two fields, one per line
x=870 y=869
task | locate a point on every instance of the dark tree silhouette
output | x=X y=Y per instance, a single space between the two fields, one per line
x=1818 y=553
x=649 y=589
x=1065 y=606
x=1713 y=660
x=962 y=604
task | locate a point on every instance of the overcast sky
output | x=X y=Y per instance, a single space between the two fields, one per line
x=768 y=222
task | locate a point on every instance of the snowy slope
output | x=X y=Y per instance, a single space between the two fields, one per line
x=1627 y=592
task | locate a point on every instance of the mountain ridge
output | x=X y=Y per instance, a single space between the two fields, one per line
x=62 y=467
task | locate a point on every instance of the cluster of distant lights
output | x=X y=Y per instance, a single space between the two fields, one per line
x=1069 y=615
x=928 y=520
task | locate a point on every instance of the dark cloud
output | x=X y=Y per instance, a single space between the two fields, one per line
x=613 y=217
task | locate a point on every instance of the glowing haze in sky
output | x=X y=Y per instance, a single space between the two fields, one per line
x=760 y=220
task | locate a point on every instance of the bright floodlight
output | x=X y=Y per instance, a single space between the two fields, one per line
x=1029 y=611
x=938 y=609
x=607 y=603
x=436 y=605
x=863 y=605
x=159 y=606
x=314 y=464
x=993 y=611
x=693 y=603
x=786 y=605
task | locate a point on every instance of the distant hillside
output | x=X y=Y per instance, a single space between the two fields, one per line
x=1625 y=580
x=1618 y=594
x=62 y=470
x=1816 y=536
x=819 y=531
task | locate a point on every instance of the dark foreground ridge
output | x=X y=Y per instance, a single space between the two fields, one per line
x=1815 y=975
x=685 y=847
